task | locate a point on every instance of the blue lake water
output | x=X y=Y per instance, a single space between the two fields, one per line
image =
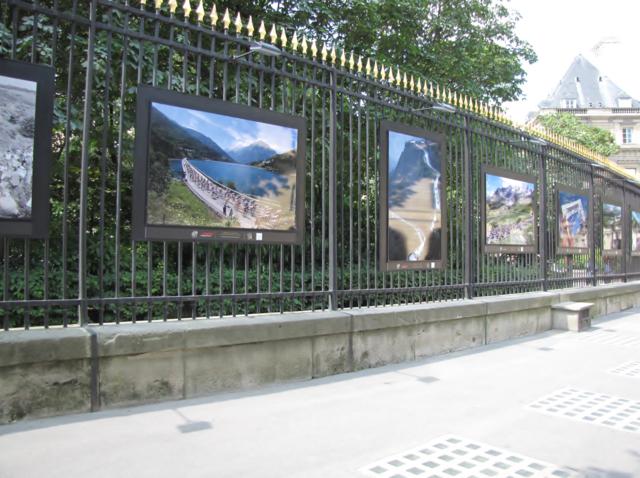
x=247 y=179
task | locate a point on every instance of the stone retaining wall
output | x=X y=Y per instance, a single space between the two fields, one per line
x=53 y=372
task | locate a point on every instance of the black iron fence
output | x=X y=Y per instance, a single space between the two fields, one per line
x=89 y=270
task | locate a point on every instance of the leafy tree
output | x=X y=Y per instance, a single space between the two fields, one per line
x=569 y=126
x=470 y=45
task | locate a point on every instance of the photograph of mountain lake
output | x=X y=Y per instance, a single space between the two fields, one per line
x=635 y=232
x=414 y=192
x=573 y=219
x=17 y=127
x=214 y=170
x=611 y=227
x=510 y=218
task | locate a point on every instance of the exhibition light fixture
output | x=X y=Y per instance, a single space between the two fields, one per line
x=262 y=48
x=444 y=107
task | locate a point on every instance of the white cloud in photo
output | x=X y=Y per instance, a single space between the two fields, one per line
x=11 y=82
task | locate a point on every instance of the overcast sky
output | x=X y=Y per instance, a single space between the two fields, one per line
x=559 y=30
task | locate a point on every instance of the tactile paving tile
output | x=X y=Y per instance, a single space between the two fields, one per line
x=606 y=337
x=628 y=369
x=591 y=407
x=452 y=456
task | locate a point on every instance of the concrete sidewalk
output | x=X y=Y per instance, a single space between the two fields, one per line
x=374 y=423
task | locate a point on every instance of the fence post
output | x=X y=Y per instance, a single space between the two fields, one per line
x=84 y=170
x=542 y=200
x=469 y=273
x=333 y=207
x=592 y=231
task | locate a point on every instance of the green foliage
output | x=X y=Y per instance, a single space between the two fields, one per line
x=565 y=124
x=468 y=44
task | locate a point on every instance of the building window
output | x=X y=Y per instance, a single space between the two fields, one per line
x=569 y=103
x=627 y=135
x=624 y=102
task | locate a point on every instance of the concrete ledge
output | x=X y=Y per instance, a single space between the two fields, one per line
x=48 y=372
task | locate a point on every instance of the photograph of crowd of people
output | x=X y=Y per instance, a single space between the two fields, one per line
x=414 y=198
x=573 y=218
x=611 y=227
x=213 y=170
x=510 y=217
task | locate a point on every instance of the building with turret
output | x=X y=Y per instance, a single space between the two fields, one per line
x=587 y=93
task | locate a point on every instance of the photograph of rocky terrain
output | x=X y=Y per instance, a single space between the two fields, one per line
x=17 y=126
x=510 y=219
x=414 y=194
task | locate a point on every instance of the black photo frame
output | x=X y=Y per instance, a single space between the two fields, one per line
x=507 y=248
x=36 y=225
x=617 y=251
x=565 y=250
x=143 y=230
x=387 y=263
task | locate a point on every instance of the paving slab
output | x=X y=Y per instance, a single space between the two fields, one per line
x=346 y=425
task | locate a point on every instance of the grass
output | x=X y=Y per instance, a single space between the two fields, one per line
x=180 y=207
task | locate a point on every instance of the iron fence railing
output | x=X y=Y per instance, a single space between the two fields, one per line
x=90 y=270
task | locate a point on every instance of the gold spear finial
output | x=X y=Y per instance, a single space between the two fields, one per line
x=273 y=34
x=186 y=6
x=419 y=85
x=383 y=72
x=398 y=77
x=449 y=100
x=200 y=12
x=334 y=55
x=159 y=4
x=405 y=81
x=173 y=4
x=213 y=16
x=238 y=24
x=343 y=59
x=352 y=61
x=294 y=42
x=412 y=84
x=375 y=69
x=283 y=38
x=367 y=68
x=314 y=49
x=226 y=19
x=392 y=78
x=359 y=64
x=304 y=45
x=143 y=2
x=324 y=52
x=425 y=88
x=250 y=28
x=262 y=31
x=437 y=92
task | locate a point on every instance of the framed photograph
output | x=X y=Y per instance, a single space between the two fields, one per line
x=412 y=195
x=635 y=233
x=573 y=212
x=213 y=170
x=508 y=212
x=611 y=228
x=26 y=95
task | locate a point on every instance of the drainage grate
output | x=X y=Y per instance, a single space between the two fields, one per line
x=591 y=407
x=608 y=337
x=628 y=369
x=451 y=456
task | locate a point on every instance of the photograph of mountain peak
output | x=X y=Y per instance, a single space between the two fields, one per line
x=510 y=217
x=215 y=170
x=414 y=198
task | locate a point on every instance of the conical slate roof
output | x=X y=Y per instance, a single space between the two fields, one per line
x=584 y=83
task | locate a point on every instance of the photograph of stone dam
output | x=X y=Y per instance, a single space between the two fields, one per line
x=414 y=193
x=17 y=127
x=510 y=219
x=213 y=170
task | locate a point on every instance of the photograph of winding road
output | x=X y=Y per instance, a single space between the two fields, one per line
x=573 y=220
x=510 y=218
x=17 y=127
x=213 y=170
x=611 y=227
x=414 y=193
